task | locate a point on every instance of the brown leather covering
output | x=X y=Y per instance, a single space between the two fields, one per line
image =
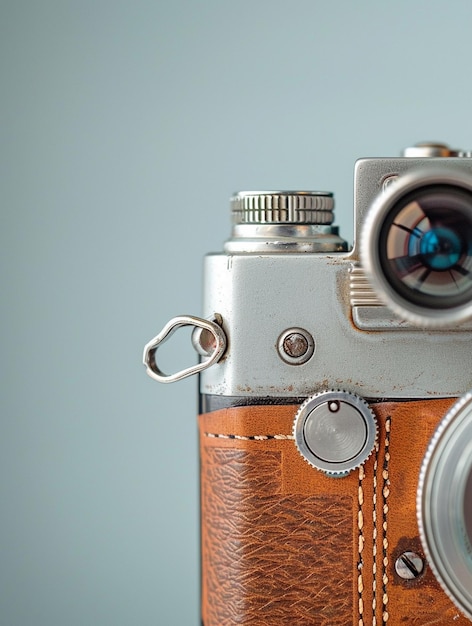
x=283 y=544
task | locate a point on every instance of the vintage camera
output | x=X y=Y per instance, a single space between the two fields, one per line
x=335 y=413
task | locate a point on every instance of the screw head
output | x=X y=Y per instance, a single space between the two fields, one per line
x=409 y=565
x=295 y=346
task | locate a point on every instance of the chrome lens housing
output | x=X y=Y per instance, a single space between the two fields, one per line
x=416 y=247
x=444 y=504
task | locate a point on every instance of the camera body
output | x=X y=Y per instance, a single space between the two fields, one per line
x=334 y=412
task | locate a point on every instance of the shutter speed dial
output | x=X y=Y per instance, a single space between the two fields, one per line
x=335 y=431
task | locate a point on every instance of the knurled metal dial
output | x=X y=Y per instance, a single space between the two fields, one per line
x=335 y=431
x=282 y=207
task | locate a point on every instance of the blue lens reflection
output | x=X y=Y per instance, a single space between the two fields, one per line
x=440 y=248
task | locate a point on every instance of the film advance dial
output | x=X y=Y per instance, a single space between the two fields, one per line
x=335 y=431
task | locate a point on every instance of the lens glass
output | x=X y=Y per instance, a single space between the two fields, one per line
x=426 y=246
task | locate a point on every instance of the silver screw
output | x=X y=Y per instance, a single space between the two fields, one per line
x=295 y=346
x=409 y=565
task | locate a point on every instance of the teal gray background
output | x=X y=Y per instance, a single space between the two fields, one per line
x=125 y=127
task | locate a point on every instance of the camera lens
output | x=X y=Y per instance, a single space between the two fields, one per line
x=418 y=247
x=426 y=247
x=445 y=504
x=468 y=510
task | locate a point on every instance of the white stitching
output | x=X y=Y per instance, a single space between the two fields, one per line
x=385 y=494
x=374 y=538
x=249 y=437
x=360 y=563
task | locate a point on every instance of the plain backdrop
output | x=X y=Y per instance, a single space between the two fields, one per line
x=125 y=127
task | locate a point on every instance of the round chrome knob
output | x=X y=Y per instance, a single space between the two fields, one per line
x=428 y=149
x=283 y=221
x=335 y=431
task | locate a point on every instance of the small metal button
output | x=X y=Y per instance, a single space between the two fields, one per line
x=295 y=346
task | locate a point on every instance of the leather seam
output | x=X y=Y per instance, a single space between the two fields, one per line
x=360 y=563
x=374 y=537
x=385 y=494
x=249 y=437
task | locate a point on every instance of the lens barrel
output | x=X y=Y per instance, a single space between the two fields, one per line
x=444 y=504
x=416 y=247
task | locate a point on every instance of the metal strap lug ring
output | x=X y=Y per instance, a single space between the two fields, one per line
x=218 y=346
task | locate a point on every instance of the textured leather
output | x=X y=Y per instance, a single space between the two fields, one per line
x=284 y=544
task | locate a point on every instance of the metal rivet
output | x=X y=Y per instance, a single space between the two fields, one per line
x=295 y=346
x=409 y=565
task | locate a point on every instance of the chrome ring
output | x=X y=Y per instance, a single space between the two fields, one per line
x=444 y=504
x=450 y=299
